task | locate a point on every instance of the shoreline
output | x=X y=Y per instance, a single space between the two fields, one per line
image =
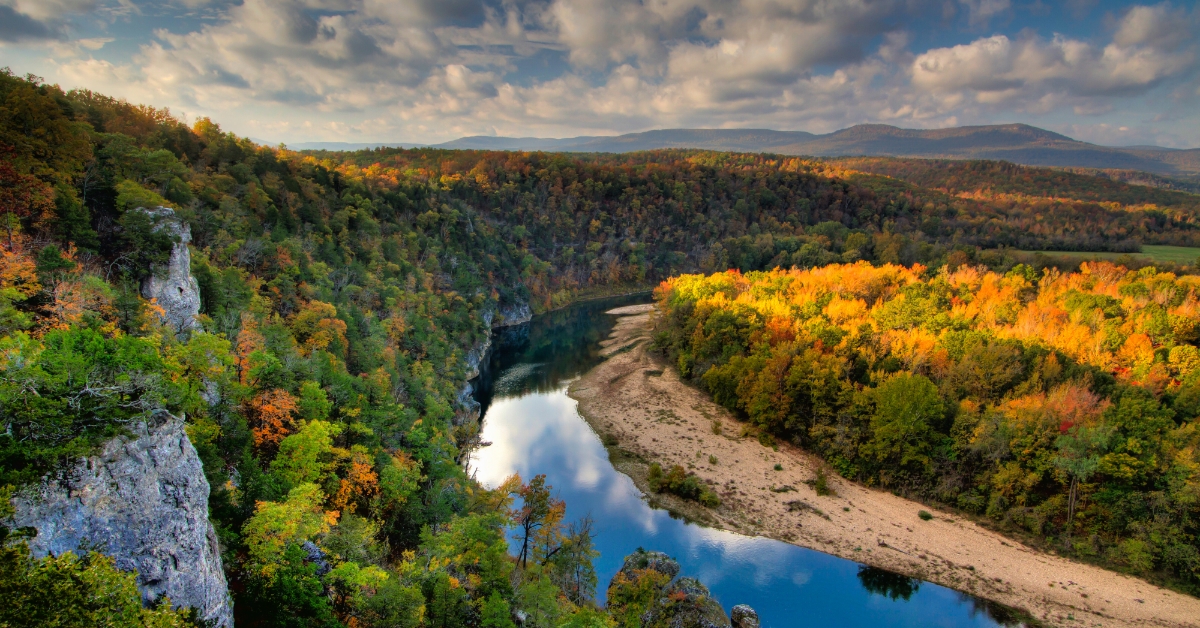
x=644 y=413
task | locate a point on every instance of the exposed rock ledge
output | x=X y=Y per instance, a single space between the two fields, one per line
x=144 y=501
x=174 y=288
x=505 y=316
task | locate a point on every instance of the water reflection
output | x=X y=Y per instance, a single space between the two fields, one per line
x=534 y=428
x=888 y=584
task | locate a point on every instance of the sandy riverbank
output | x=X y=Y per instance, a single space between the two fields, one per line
x=638 y=404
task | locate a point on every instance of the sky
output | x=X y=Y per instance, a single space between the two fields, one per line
x=433 y=70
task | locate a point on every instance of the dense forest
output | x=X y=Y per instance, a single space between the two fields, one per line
x=1053 y=188
x=341 y=293
x=1060 y=406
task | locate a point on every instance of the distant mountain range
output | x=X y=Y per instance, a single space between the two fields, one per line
x=1018 y=143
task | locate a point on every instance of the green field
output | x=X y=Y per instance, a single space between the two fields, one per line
x=1156 y=252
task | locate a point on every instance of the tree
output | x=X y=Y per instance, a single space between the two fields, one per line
x=67 y=591
x=22 y=196
x=538 y=509
x=570 y=563
x=495 y=613
x=271 y=413
x=277 y=526
x=307 y=455
x=906 y=407
x=1079 y=452
x=395 y=604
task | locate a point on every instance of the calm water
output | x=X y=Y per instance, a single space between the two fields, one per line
x=534 y=428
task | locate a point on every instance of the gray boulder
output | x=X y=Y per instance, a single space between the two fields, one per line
x=742 y=616
x=174 y=288
x=144 y=501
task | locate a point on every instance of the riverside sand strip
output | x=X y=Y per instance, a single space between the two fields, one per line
x=644 y=413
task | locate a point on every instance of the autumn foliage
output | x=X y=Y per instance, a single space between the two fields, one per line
x=1060 y=403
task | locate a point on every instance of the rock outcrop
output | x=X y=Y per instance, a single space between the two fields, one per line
x=685 y=603
x=742 y=616
x=174 y=288
x=647 y=581
x=502 y=318
x=654 y=561
x=144 y=501
x=513 y=314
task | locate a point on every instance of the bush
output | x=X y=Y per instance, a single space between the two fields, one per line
x=66 y=590
x=679 y=482
x=821 y=484
x=925 y=515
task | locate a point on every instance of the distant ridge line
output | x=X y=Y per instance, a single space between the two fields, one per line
x=1018 y=143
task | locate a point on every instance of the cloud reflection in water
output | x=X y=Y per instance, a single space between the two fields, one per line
x=542 y=432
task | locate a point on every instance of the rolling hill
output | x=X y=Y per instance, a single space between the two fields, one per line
x=1018 y=143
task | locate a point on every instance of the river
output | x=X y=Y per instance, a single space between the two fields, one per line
x=533 y=428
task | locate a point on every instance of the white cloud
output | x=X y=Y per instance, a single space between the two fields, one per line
x=49 y=10
x=425 y=70
x=981 y=12
x=1032 y=70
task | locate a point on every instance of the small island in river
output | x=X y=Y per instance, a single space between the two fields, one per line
x=646 y=414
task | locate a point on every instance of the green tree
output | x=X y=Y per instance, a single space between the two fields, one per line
x=395 y=605
x=276 y=527
x=307 y=455
x=906 y=408
x=1079 y=452
x=495 y=613
x=66 y=591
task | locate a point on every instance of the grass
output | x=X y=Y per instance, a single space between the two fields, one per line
x=1154 y=252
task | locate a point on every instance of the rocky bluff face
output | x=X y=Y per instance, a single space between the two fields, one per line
x=144 y=501
x=173 y=288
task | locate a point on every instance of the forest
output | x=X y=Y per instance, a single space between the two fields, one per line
x=1060 y=407
x=341 y=293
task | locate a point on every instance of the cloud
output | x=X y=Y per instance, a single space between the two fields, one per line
x=433 y=69
x=981 y=12
x=15 y=26
x=1148 y=47
x=1159 y=26
x=26 y=20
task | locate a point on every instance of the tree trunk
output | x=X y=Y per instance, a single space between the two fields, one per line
x=1071 y=503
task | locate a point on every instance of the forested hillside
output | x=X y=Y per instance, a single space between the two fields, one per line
x=340 y=294
x=998 y=180
x=664 y=211
x=1062 y=406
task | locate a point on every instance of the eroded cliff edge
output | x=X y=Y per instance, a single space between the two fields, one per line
x=144 y=501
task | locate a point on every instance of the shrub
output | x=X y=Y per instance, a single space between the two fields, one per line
x=778 y=467
x=679 y=482
x=925 y=515
x=821 y=484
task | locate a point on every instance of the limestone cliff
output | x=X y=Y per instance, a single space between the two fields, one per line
x=503 y=317
x=174 y=288
x=144 y=501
